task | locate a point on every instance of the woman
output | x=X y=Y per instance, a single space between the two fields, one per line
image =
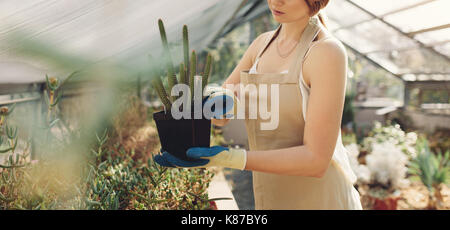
x=302 y=164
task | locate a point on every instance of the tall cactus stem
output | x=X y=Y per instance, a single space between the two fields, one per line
x=193 y=72
x=172 y=80
x=186 y=48
x=183 y=78
x=207 y=71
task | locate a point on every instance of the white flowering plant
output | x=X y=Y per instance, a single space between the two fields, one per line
x=394 y=134
x=386 y=166
x=384 y=169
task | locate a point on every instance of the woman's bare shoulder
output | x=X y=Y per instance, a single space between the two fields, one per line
x=329 y=54
x=258 y=44
x=326 y=51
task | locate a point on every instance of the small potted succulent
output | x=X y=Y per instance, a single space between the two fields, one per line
x=178 y=135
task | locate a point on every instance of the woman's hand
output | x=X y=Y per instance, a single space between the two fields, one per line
x=220 y=122
x=203 y=157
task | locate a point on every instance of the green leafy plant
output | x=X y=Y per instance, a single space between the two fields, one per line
x=433 y=170
x=114 y=180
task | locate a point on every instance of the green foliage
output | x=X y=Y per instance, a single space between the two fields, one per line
x=433 y=170
x=115 y=181
x=348 y=113
x=8 y=134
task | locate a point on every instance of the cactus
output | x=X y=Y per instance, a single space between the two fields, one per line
x=183 y=72
x=158 y=85
x=207 y=71
x=11 y=133
x=187 y=70
x=172 y=79
x=186 y=48
x=193 y=72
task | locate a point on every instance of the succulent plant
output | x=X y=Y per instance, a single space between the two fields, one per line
x=187 y=70
x=433 y=171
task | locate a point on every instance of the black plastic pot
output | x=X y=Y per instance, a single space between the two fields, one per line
x=177 y=136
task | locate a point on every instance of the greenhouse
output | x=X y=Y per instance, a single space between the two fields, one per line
x=81 y=82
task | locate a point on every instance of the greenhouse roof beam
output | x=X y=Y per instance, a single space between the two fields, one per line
x=421 y=44
x=434 y=28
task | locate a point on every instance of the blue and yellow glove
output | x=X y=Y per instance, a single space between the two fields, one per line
x=206 y=157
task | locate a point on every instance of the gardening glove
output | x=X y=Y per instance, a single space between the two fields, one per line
x=204 y=157
x=224 y=96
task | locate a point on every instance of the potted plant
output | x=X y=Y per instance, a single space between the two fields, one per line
x=433 y=171
x=178 y=135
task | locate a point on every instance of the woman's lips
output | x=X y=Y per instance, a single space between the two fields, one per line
x=278 y=13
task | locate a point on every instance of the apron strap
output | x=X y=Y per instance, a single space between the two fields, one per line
x=308 y=36
x=268 y=41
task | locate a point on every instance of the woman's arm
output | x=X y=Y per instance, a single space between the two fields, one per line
x=245 y=63
x=326 y=67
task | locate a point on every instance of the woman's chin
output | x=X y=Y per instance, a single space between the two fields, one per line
x=278 y=19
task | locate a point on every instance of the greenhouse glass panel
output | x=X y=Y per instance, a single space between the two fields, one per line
x=419 y=61
x=433 y=37
x=420 y=18
x=373 y=36
x=381 y=7
x=339 y=11
x=444 y=49
x=121 y=31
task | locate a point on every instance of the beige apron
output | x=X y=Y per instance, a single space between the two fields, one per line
x=272 y=191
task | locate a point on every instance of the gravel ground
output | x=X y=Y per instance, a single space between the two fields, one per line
x=242 y=187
